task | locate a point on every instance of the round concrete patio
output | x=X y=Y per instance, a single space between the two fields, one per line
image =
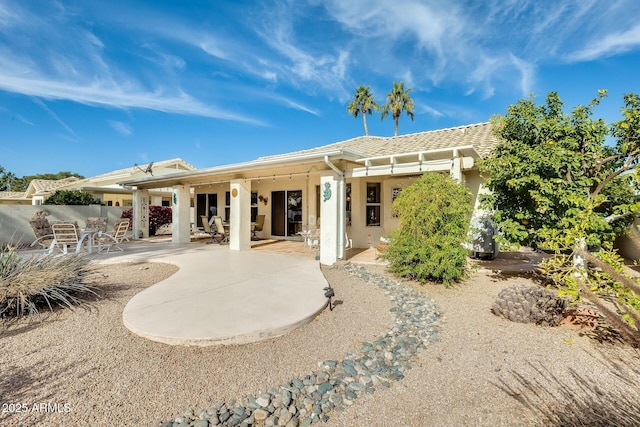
x=222 y=297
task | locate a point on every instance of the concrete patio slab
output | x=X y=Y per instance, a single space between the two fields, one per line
x=222 y=297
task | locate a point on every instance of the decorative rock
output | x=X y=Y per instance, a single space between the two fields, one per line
x=285 y=418
x=304 y=401
x=263 y=401
x=260 y=414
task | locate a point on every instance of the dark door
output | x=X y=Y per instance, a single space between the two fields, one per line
x=278 y=213
x=201 y=208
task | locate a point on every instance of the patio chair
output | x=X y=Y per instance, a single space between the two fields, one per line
x=207 y=229
x=259 y=225
x=221 y=234
x=65 y=235
x=43 y=232
x=113 y=239
x=313 y=238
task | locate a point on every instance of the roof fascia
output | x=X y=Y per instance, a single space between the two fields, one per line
x=173 y=179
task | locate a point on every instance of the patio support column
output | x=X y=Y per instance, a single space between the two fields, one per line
x=456 y=166
x=240 y=227
x=330 y=202
x=140 y=213
x=180 y=214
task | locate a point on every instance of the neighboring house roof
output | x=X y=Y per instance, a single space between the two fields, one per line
x=478 y=135
x=15 y=195
x=107 y=182
x=177 y=165
x=47 y=186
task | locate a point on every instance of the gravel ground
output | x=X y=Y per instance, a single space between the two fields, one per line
x=93 y=371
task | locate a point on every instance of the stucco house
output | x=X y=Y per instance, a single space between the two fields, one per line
x=345 y=188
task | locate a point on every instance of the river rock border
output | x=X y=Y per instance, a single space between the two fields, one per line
x=336 y=384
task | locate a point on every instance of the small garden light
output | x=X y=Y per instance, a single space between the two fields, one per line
x=328 y=292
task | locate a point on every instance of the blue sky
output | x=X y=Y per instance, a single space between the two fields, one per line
x=93 y=86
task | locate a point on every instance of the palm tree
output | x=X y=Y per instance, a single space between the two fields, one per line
x=363 y=102
x=398 y=100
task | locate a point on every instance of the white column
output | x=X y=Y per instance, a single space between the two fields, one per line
x=180 y=218
x=456 y=166
x=330 y=219
x=140 y=213
x=240 y=221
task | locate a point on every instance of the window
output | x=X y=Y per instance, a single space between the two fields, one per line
x=227 y=205
x=395 y=192
x=254 y=206
x=373 y=204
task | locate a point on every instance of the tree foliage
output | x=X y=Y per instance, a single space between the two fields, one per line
x=72 y=197
x=398 y=100
x=9 y=181
x=363 y=103
x=434 y=217
x=6 y=179
x=556 y=177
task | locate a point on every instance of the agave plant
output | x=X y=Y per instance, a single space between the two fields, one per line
x=30 y=283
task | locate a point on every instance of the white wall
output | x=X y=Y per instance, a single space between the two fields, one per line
x=14 y=219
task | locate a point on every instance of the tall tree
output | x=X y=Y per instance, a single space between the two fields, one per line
x=398 y=100
x=566 y=182
x=6 y=179
x=554 y=178
x=363 y=102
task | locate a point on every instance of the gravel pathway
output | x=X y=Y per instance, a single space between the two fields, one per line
x=87 y=369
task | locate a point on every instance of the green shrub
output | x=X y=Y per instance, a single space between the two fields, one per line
x=158 y=216
x=434 y=217
x=28 y=284
x=72 y=197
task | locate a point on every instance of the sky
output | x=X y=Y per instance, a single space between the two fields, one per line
x=94 y=86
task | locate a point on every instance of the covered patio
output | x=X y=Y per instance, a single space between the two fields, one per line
x=343 y=190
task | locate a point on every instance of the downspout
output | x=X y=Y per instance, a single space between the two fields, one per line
x=341 y=207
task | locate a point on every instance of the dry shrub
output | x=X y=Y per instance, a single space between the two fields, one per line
x=30 y=283
x=580 y=400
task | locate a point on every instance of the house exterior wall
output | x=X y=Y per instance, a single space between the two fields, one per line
x=362 y=235
x=263 y=187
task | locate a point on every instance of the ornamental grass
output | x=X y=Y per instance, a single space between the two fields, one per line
x=30 y=283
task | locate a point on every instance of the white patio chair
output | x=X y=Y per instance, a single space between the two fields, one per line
x=65 y=235
x=113 y=240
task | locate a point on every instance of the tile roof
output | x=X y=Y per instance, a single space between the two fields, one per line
x=478 y=135
x=135 y=169
x=12 y=195
x=50 y=185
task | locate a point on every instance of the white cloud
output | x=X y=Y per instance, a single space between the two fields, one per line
x=126 y=96
x=527 y=75
x=55 y=117
x=609 y=45
x=120 y=127
x=21 y=118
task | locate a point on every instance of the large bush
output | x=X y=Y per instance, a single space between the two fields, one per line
x=434 y=217
x=158 y=216
x=72 y=197
x=30 y=283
